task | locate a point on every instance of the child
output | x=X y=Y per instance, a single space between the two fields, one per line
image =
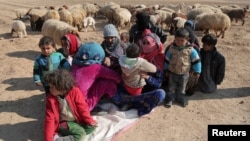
x=178 y=60
x=213 y=65
x=125 y=38
x=67 y=62
x=47 y=61
x=67 y=113
x=132 y=66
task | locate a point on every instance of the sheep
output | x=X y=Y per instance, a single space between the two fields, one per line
x=166 y=17
x=155 y=19
x=176 y=8
x=140 y=6
x=66 y=16
x=238 y=13
x=18 y=27
x=91 y=9
x=88 y=21
x=51 y=14
x=182 y=15
x=215 y=21
x=167 y=9
x=20 y=13
x=121 y=17
x=56 y=29
x=197 y=11
x=178 y=22
x=36 y=19
x=105 y=11
x=216 y=10
x=78 y=16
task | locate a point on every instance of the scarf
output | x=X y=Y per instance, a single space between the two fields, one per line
x=151 y=49
x=73 y=42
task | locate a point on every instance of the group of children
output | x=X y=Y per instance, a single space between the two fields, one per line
x=130 y=68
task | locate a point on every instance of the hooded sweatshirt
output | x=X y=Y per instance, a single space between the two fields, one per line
x=131 y=68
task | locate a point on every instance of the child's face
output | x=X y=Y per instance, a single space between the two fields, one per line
x=180 y=41
x=47 y=49
x=65 y=44
x=124 y=39
x=54 y=91
x=207 y=47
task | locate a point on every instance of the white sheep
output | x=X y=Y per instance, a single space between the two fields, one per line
x=121 y=17
x=66 y=16
x=51 y=14
x=106 y=11
x=20 y=13
x=176 y=8
x=56 y=29
x=178 y=22
x=166 y=17
x=191 y=15
x=215 y=9
x=18 y=29
x=78 y=15
x=155 y=19
x=167 y=9
x=88 y=21
x=215 y=21
x=91 y=9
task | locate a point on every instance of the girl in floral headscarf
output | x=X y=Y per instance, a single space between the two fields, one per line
x=152 y=95
x=93 y=79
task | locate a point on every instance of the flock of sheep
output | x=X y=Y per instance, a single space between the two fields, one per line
x=56 y=21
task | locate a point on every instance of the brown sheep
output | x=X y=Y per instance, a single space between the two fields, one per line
x=238 y=13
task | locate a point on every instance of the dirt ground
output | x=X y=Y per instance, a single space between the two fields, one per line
x=22 y=104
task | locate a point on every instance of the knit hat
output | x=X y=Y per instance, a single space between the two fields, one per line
x=89 y=53
x=110 y=30
x=190 y=24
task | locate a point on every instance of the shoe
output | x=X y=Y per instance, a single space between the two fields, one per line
x=168 y=104
x=183 y=103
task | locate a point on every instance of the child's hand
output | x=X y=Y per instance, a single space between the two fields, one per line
x=196 y=75
x=144 y=75
x=39 y=84
x=107 y=61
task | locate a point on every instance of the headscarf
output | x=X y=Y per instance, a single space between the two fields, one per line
x=73 y=42
x=89 y=53
x=152 y=50
x=142 y=20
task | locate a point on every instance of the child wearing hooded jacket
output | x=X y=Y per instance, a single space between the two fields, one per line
x=132 y=66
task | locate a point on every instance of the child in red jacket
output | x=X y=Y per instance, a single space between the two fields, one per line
x=67 y=114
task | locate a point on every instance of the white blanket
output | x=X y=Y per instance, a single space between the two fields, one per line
x=112 y=122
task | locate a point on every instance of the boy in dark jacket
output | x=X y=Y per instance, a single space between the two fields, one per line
x=213 y=65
